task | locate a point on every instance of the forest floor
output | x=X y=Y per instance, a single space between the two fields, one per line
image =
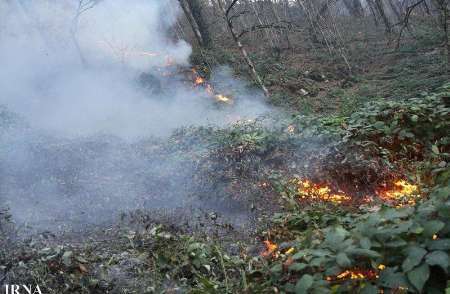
x=349 y=192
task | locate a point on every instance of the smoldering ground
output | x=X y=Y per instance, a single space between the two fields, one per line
x=71 y=81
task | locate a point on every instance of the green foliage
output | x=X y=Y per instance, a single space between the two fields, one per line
x=393 y=248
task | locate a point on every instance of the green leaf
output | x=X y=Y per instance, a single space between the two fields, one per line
x=278 y=268
x=391 y=279
x=396 y=243
x=419 y=276
x=297 y=266
x=432 y=227
x=299 y=255
x=369 y=289
x=363 y=252
x=336 y=236
x=304 y=284
x=439 y=258
x=441 y=244
x=342 y=260
x=435 y=149
x=415 y=255
x=365 y=243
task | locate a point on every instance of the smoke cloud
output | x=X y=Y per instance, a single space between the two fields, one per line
x=78 y=75
x=71 y=73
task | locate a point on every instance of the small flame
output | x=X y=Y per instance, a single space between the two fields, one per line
x=271 y=249
x=354 y=274
x=199 y=80
x=290 y=129
x=311 y=191
x=222 y=98
x=402 y=193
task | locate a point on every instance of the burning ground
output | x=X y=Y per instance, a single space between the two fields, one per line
x=123 y=169
x=272 y=203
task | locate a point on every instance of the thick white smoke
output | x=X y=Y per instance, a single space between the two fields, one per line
x=77 y=75
x=74 y=81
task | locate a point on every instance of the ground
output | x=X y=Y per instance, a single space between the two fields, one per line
x=348 y=192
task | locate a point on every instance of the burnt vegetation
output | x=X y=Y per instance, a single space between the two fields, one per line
x=341 y=186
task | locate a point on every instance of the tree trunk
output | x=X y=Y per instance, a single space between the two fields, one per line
x=384 y=17
x=192 y=22
x=197 y=13
x=241 y=48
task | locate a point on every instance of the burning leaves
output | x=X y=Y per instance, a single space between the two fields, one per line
x=310 y=191
x=271 y=249
x=354 y=274
x=400 y=193
x=200 y=81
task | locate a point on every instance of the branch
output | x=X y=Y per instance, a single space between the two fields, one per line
x=405 y=21
x=230 y=8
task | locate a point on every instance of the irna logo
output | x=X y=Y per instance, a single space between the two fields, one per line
x=22 y=289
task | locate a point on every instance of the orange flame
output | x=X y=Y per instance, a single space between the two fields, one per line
x=354 y=274
x=271 y=249
x=199 y=80
x=222 y=98
x=402 y=193
x=307 y=190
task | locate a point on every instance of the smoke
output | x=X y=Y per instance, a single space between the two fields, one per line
x=73 y=78
x=78 y=75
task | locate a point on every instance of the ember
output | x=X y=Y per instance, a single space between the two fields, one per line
x=311 y=191
x=290 y=129
x=200 y=81
x=271 y=249
x=222 y=98
x=354 y=274
x=401 y=193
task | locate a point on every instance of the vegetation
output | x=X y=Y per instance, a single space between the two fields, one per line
x=316 y=246
x=346 y=182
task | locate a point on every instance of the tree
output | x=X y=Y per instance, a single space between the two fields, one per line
x=194 y=14
x=229 y=21
x=354 y=7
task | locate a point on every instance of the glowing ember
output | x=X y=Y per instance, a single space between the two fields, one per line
x=224 y=99
x=310 y=191
x=354 y=274
x=199 y=81
x=271 y=249
x=290 y=129
x=290 y=251
x=402 y=193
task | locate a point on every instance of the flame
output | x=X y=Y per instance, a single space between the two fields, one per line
x=310 y=191
x=290 y=129
x=354 y=274
x=402 y=193
x=199 y=80
x=271 y=249
x=222 y=98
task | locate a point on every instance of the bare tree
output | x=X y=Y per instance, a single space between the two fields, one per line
x=229 y=21
x=82 y=7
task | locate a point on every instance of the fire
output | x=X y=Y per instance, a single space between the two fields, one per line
x=290 y=129
x=354 y=274
x=402 y=193
x=222 y=98
x=311 y=191
x=199 y=80
x=271 y=249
